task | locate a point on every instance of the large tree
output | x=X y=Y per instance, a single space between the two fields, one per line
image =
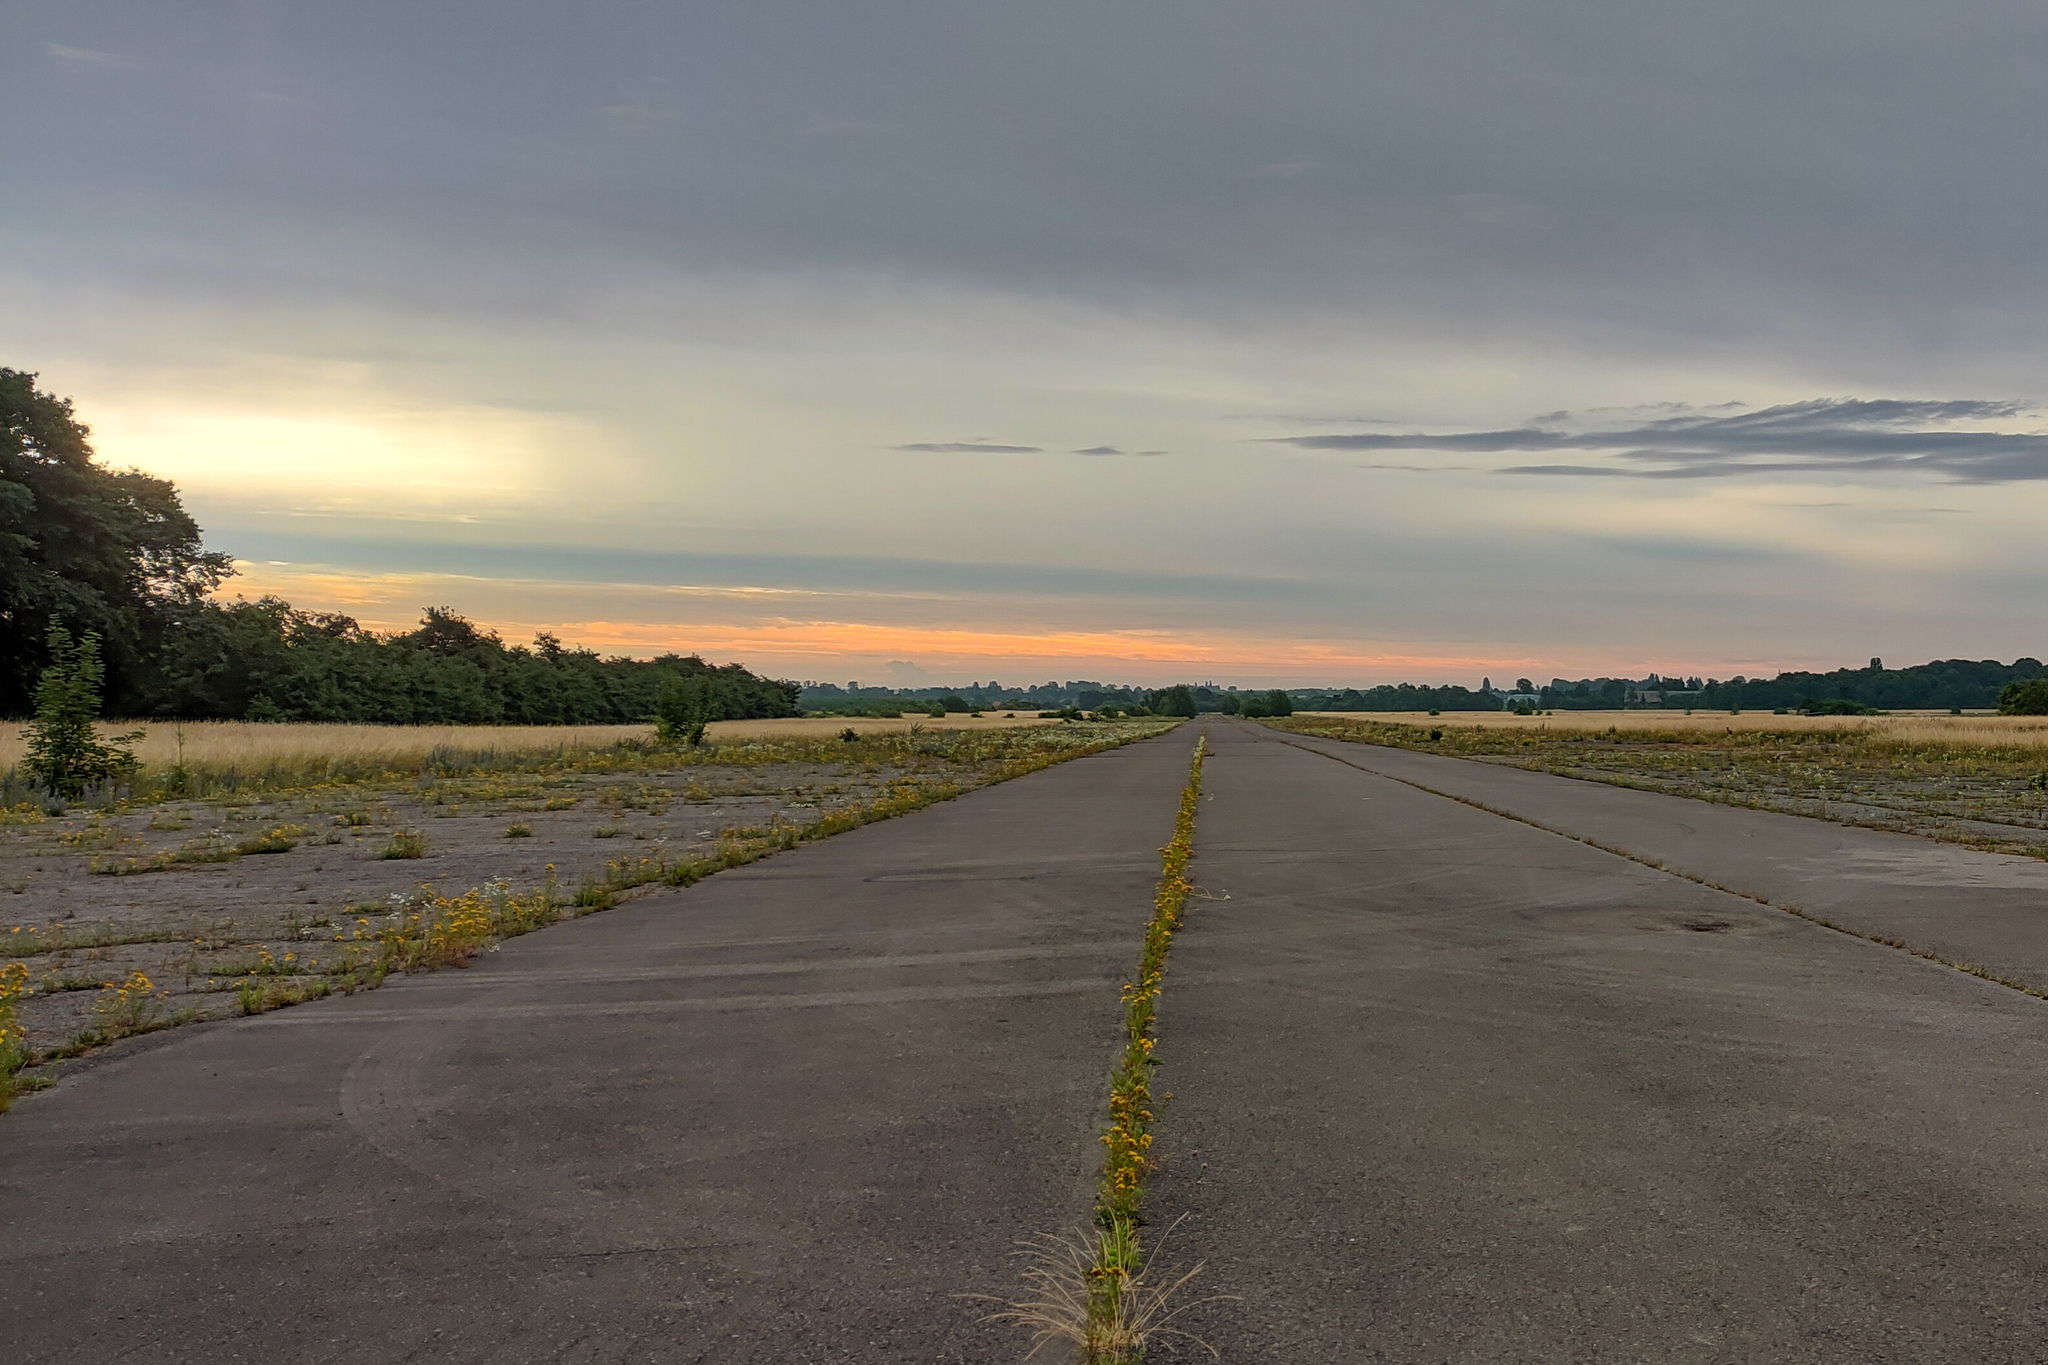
x=97 y=549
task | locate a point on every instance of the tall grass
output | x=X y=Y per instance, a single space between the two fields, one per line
x=2027 y=732
x=213 y=759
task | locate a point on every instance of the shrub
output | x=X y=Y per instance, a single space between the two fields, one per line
x=407 y=843
x=682 y=709
x=65 y=755
x=2029 y=698
x=520 y=831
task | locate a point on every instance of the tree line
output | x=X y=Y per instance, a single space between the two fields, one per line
x=113 y=555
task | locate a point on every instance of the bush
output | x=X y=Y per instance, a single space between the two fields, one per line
x=2028 y=698
x=682 y=709
x=65 y=754
x=1841 y=706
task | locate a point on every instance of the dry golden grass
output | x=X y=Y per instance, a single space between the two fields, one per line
x=1913 y=727
x=819 y=726
x=251 y=746
x=248 y=745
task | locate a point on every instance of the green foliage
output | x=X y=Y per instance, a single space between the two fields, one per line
x=1178 y=700
x=1262 y=704
x=1839 y=706
x=111 y=552
x=2024 y=698
x=682 y=709
x=268 y=660
x=952 y=702
x=65 y=754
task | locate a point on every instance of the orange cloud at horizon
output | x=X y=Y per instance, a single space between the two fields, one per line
x=838 y=641
x=833 y=647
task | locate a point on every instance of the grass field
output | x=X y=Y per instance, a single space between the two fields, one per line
x=1977 y=780
x=252 y=746
x=1910 y=727
x=208 y=758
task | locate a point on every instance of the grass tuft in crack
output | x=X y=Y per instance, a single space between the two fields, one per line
x=1062 y=1274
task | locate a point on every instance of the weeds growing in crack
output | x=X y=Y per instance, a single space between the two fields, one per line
x=1068 y=1304
x=1098 y=1292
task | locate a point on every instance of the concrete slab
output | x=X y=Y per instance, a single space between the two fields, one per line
x=1447 y=1088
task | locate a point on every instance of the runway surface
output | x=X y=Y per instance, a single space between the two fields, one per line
x=1446 y=1087
x=1450 y=1088
x=784 y=1115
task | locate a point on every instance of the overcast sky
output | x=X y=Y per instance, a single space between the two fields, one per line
x=1297 y=343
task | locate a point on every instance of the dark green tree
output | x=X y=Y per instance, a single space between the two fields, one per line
x=65 y=754
x=111 y=552
x=2024 y=698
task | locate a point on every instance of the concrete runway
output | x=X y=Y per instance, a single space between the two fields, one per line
x=784 y=1115
x=1450 y=1088
x=1446 y=1088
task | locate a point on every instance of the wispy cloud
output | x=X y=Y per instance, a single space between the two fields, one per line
x=1821 y=435
x=968 y=448
x=87 y=57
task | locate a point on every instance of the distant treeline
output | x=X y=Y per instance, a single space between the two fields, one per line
x=1945 y=684
x=266 y=660
x=1405 y=697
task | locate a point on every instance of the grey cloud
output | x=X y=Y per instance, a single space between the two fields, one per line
x=1099 y=450
x=967 y=448
x=1690 y=175
x=1822 y=435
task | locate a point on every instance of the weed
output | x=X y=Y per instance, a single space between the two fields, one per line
x=127 y=1007
x=519 y=831
x=1069 y=1286
x=282 y=839
x=265 y=963
x=352 y=819
x=607 y=831
x=255 y=996
x=406 y=843
x=13 y=1038
x=1096 y=1292
x=425 y=931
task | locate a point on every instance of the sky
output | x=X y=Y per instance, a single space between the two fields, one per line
x=1289 y=344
